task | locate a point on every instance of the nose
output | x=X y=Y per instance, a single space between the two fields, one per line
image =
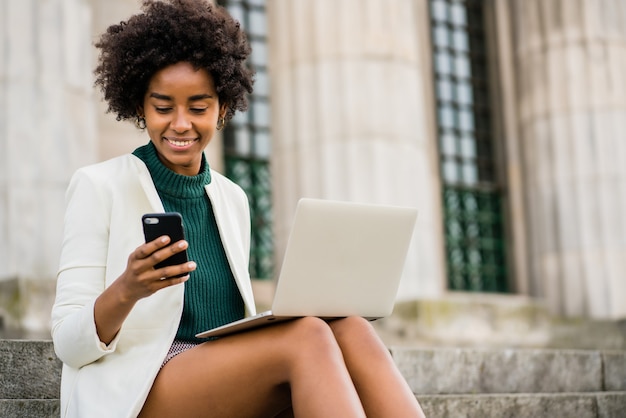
x=180 y=122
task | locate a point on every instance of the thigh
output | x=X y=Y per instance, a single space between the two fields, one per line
x=255 y=374
x=241 y=375
x=287 y=413
x=382 y=388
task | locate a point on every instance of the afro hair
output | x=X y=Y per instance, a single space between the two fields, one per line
x=168 y=32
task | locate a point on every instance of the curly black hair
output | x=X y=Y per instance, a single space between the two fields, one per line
x=168 y=32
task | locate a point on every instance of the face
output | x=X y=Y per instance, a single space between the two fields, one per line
x=181 y=109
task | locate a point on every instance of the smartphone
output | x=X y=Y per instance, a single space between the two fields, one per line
x=170 y=224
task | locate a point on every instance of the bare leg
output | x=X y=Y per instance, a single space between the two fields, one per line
x=381 y=387
x=287 y=413
x=258 y=374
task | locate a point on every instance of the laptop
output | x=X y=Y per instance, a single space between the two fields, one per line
x=342 y=259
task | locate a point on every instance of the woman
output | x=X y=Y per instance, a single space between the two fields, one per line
x=125 y=330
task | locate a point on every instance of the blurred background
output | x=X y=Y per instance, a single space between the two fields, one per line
x=501 y=120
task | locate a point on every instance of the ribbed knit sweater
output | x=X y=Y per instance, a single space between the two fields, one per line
x=211 y=295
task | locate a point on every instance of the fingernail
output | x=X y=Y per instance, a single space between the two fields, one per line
x=191 y=265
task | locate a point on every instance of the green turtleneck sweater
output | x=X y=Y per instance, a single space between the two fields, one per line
x=211 y=295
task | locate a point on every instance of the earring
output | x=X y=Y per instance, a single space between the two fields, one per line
x=140 y=122
x=221 y=123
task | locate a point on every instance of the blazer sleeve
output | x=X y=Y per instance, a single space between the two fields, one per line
x=81 y=276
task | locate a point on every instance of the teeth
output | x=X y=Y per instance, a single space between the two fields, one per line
x=179 y=143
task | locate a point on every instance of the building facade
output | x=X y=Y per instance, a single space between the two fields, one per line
x=499 y=120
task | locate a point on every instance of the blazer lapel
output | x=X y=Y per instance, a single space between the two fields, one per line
x=148 y=186
x=232 y=246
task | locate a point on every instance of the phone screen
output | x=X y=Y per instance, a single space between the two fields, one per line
x=170 y=224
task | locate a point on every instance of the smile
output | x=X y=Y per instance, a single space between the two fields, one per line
x=180 y=142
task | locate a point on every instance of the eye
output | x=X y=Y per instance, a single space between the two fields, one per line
x=198 y=110
x=162 y=109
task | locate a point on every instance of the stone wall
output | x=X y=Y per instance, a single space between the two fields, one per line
x=47 y=129
x=353 y=118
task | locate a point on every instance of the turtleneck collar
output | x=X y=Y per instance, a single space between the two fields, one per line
x=170 y=183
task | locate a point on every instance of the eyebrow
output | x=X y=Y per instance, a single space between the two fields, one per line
x=191 y=98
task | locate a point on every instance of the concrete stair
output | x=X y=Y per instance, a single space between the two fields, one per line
x=448 y=382
x=30 y=375
x=516 y=382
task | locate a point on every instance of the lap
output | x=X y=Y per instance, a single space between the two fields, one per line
x=219 y=376
x=240 y=375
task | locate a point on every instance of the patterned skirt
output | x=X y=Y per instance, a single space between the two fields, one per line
x=176 y=348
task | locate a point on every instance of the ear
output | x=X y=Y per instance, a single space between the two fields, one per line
x=223 y=109
x=140 y=111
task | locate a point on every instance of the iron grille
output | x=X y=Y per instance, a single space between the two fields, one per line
x=247 y=138
x=472 y=195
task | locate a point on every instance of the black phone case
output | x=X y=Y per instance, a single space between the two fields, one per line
x=170 y=224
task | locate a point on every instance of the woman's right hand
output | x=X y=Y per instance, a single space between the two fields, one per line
x=141 y=279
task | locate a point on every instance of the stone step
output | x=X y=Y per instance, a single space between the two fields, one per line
x=448 y=382
x=31 y=408
x=470 y=371
x=28 y=370
x=524 y=405
x=562 y=405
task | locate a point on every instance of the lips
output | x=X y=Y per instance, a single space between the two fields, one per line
x=180 y=142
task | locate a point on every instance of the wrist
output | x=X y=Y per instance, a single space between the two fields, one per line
x=123 y=294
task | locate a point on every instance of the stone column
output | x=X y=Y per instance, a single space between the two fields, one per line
x=570 y=61
x=46 y=131
x=351 y=117
x=115 y=138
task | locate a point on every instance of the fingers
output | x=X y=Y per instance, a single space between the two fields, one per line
x=147 y=249
x=170 y=279
x=176 y=274
x=143 y=279
x=172 y=268
x=154 y=252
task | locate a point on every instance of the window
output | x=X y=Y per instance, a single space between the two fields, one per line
x=472 y=193
x=247 y=143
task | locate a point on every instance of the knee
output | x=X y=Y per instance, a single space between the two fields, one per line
x=356 y=334
x=353 y=327
x=313 y=335
x=311 y=329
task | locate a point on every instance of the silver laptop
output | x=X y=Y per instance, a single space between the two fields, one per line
x=342 y=259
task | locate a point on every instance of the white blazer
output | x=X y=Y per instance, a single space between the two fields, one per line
x=105 y=203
